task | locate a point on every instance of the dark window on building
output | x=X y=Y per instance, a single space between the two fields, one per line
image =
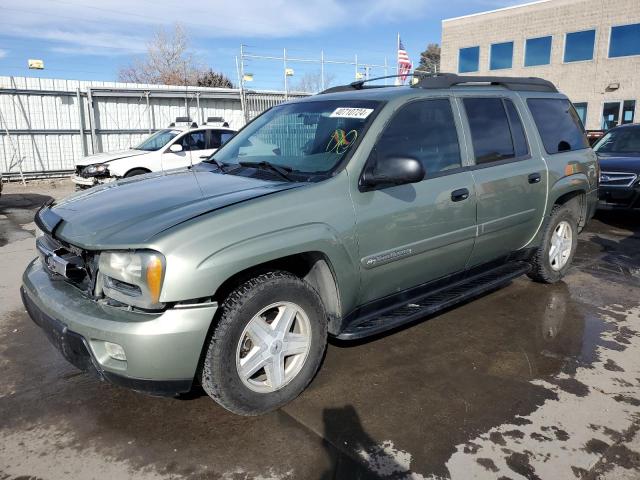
x=625 y=40
x=517 y=130
x=581 y=110
x=490 y=131
x=579 y=46
x=501 y=56
x=617 y=113
x=469 y=59
x=424 y=130
x=610 y=115
x=537 y=51
x=558 y=124
x=628 y=111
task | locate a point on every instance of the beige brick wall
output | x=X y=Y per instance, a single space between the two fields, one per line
x=582 y=81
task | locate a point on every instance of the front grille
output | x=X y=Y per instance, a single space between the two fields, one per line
x=63 y=261
x=617 y=179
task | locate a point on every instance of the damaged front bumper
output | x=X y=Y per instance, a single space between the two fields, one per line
x=162 y=349
x=88 y=182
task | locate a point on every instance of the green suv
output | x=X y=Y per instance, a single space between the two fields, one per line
x=344 y=215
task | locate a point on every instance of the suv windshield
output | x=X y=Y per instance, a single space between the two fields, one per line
x=305 y=137
x=157 y=140
x=622 y=141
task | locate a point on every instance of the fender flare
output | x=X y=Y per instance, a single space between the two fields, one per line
x=231 y=260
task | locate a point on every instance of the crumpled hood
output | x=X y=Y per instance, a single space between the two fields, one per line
x=619 y=163
x=131 y=211
x=108 y=157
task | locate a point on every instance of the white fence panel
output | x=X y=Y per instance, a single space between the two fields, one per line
x=50 y=123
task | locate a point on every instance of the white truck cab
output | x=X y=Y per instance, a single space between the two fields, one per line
x=180 y=145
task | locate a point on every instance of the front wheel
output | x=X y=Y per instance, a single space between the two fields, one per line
x=135 y=172
x=267 y=344
x=552 y=260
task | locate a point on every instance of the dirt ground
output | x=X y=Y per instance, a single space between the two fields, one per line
x=528 y=382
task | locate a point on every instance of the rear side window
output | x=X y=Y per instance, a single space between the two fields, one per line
x=213 y=139
x=517 y=130
x=490 y=132
x=558 y=123
x=424 y=130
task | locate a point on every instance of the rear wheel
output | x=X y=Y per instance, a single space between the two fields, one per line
x=559 y=240
x=267 y=344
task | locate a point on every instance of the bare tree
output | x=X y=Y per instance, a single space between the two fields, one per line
x=169 y=61
x=311 y=82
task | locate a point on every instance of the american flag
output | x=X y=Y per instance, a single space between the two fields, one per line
x=404 y=64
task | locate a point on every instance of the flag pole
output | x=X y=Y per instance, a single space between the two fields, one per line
x=398 y=80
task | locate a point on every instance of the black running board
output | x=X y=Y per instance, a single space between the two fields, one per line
x=434 y=301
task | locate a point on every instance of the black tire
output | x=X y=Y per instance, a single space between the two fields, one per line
x=220 y=377
x=541 y=270
x=135 y=172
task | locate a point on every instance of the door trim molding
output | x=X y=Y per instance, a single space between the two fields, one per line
x=416 y=248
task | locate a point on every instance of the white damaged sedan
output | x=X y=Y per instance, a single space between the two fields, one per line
x=167 y=149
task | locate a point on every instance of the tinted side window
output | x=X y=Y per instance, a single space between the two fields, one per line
x=558 y=124
x=490 y=131
x=213 y=139
x=424 y=130
x=225 y=136
x=193 y=141
x=517 y=130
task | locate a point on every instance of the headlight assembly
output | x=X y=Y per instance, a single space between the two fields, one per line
x=133 y=278
x=97 y=169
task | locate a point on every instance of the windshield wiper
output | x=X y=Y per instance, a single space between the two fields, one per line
x=217 y=163
x=279 y=169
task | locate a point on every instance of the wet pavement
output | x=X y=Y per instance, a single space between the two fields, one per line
x=530 y=381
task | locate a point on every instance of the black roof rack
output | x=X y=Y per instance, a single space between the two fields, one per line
x=183 y=120
x=360 y=84
x=446 y=80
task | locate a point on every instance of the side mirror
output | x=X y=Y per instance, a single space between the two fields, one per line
x=175 y=148
x=391 y=171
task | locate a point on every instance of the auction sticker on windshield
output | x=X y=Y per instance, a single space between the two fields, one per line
x=351 y=112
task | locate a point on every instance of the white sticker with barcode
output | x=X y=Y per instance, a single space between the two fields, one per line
x=351 y=112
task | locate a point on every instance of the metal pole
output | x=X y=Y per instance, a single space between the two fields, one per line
x=386 y=71
x=92 y=121
x=286 y=88
x=356 y=64
x=240 y=69
x=83 y=141
x=200 y=112
x=321 y=70
x=149 y=121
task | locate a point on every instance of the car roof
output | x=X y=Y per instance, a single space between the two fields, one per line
x=184 y=128
x=389 y=93
x=438 y=85
x=627 y=125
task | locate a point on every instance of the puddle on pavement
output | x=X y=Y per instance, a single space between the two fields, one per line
x=468 y=383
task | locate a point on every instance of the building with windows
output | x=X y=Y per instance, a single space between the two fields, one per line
x=589 y=48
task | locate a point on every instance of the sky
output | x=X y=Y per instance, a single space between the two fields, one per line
x=90 y=40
